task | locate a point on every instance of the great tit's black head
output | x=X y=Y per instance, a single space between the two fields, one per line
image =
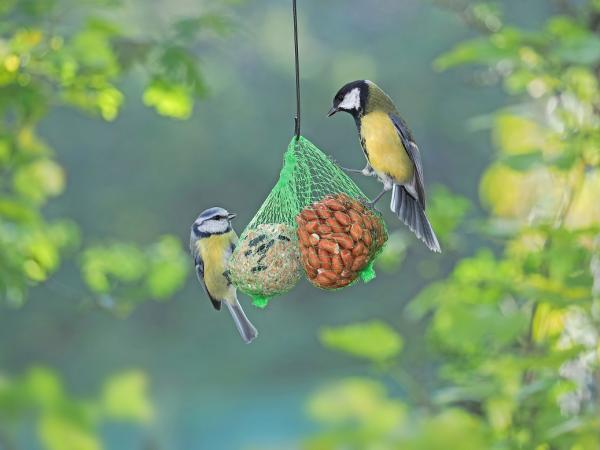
x=212 y=221
x=351 y=98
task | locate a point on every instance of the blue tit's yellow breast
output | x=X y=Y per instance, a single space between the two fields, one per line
x=384 y=148
x=215 y=251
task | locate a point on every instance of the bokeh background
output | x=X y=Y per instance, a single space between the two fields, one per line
x=122 y=120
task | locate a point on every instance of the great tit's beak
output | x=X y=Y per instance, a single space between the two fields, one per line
x=231 y=216
x=332 y=111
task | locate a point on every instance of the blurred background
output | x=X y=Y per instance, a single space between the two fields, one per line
x=123 y=119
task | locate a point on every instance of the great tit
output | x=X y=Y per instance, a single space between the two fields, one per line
x=391 y=152
x=212 y=242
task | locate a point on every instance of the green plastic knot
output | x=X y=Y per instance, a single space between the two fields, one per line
x=368 y=273
x=259 y=301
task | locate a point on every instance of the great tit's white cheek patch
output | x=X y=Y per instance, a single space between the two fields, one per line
x=351 y=100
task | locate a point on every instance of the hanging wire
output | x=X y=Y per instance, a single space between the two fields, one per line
x=297 y=61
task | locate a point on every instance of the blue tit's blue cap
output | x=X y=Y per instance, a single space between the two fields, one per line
x=211 y=213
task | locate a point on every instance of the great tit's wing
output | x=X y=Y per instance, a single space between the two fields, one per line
x=413 y=153
x=200 y=274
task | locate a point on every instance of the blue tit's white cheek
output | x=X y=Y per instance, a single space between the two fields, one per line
x=351 y=100
x=214 y=226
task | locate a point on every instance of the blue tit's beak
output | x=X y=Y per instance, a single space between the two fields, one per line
x=231 y=216
x=332 y=111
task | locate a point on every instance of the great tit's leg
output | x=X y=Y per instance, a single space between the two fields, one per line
x=345 y=169
x=376 y=199
x=367 y=171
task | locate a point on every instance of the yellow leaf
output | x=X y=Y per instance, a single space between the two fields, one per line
x=585 y=209
x=548 y=322
x=516 y=135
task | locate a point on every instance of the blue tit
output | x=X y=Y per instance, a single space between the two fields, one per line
x=212 y=242
x=391 y=152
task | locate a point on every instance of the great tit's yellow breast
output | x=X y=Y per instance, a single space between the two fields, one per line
x=385 y=151
x=215 y=251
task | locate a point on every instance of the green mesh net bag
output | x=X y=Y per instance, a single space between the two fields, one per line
x=315 y=221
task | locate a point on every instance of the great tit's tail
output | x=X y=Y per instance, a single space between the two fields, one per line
x=244 y=326
x=410 y=211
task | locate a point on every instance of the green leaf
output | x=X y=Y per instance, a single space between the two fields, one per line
x=372 y=340
x=125 y=397
x=451 y=429
x=44 y=388
x=168 y=267
x=57 y=432
x=446 y=211
x=357 y=400
x=39 y=180
x=168 y=99
x=503 y=45
x=523 y=161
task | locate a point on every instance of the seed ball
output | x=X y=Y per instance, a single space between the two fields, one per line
x=266 y=261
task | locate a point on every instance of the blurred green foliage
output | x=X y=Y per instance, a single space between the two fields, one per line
x=37 y=402
x=65 y=53
x=514 y=327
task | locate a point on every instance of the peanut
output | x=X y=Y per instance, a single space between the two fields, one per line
x=329 y=246
x=303 y=237
x=356 y=231
x=347 y=258
x=337 y=265
x=342 y=218
x=323 y=229
x=322 y=281
x=324 y=259
x=359 y=249
x=347 y=274
x=312 y=273
x=309 y=214
x=335 y=226
x=313 y=239
x=313 y=259
x=312 y=226
x=367 y=238
x=343 y=240
x=322 y=211
x=334 y=205
x=356 y=217
x=341 y=282
x=359 y=263
x=328 y=274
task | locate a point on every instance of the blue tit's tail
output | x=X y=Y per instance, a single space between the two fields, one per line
x=410 y=211
x=244 y=326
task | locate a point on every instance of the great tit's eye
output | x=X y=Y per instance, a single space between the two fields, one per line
x=339 y=97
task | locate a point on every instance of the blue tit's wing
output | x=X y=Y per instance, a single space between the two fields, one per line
x=200 y=274
x=413 y=153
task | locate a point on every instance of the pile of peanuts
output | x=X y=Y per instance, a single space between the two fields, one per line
x=338 y=237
